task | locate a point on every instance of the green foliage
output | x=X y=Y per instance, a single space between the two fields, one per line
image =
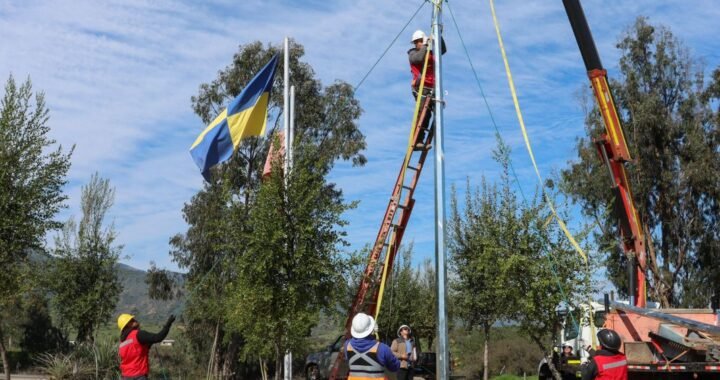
x=672 y=131
x=219 y=215
x=291 y=264
x=39 y=333
x=512 y=354
x=162 y=284
x=510 y=262
x=32 y=174
x=85 y=285
x=410 y=299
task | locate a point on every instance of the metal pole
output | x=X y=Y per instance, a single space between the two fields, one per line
x=286 y=100
x=291 y=138
x=443 y=356
x=286 y=124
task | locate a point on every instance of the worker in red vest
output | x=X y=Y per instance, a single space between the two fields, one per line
x=608 y=363
x=135 y=346
x=416 y=56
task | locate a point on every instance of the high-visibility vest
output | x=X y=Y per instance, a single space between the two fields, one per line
x=416 y=71
x=611 y=367
x=133 y=356
x=365 y=365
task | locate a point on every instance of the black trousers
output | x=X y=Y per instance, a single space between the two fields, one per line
x=405 y=374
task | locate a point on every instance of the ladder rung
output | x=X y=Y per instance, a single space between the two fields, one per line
x=396 y=226
x=412 y=167
x=407 y=187
x=403 y=207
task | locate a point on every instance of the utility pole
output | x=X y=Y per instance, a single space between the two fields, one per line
x=443 y=356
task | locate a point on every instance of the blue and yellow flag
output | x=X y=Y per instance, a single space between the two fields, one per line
x=245 y=116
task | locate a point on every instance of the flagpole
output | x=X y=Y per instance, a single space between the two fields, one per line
x=291 y=139
x=443 y=357
x=286 y=100
x=286 y=125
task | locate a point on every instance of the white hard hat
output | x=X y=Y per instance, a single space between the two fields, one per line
x=419 y=34
x=362 y=325
x=402 y=327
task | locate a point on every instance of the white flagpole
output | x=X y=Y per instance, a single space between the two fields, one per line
x=443 y=357
x=286 y=124
x=291 y=139
x=286 y=100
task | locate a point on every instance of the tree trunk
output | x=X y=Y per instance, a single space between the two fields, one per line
x=3 y=353
x=553 y=369
x=486 y=369
x=278 y=363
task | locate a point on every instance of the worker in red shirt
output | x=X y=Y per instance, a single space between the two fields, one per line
x=416 y=56
x=608 y=363
x=135 y=346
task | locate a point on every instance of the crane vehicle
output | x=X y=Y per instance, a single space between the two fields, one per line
x=659 y=343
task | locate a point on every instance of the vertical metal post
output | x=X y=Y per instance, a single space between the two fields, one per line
x=443 y=356
x=286 y=124
x=286 y=100
x=291 y=138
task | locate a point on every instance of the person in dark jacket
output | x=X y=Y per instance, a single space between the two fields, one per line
x=135 y=346
x=608 y=363
x=416 y=56
x=367 y=358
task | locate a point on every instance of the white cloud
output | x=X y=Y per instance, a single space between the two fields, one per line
x=119 y=75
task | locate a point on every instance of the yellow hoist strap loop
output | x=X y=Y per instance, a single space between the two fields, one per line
x=560 y=222
x=408 y=154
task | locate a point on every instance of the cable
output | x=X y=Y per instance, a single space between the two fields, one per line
x=482 y=93
x=389 y=46
x=551 y=259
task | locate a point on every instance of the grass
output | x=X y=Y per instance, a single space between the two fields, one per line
x=513 y=377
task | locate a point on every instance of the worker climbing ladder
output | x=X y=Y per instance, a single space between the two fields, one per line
x=394 y=222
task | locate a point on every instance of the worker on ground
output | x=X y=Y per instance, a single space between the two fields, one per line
x=405 y=349
x=367 y=358
x=416 y=56
x=568 y=363
x=135 y=346
x=608 y=363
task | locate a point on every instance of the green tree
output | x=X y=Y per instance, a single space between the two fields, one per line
x=32 y=174
x=481 y=260
x=291 y=264
x=85 y=284
x=673 y=134
x=326 y=120
x=510 y=262
x=409 y=299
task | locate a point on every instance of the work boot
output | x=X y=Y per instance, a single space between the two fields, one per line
x=421 y=146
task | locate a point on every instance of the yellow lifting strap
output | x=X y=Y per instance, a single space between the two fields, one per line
x=408 y=154
x=559 y=220
x=549 y=201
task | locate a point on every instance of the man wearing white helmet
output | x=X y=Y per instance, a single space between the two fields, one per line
x=367 y=358
x=416 y=56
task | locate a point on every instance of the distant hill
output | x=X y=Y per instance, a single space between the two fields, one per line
x=134 y=297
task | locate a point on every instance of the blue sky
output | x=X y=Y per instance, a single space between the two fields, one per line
x=118 y=77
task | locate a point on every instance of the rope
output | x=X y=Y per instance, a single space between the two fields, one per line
x=526 y=138
x=389 y=46
x=549 y=201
